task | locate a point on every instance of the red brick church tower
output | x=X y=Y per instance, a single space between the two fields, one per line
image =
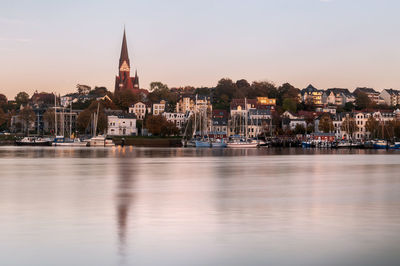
x=124 y=81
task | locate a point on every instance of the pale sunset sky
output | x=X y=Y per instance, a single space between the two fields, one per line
x=51 y=45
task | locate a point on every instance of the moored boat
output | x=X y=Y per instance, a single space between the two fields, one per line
x=34 y=141
x=218 y=143
x=203 y=144
x=100 y=141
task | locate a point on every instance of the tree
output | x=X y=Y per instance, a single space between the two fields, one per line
x=83 y=89
x=363 y=101
x=263 y=89
x=124 y=99
x=85 y=118
x=158 y=125
x=372 y=126
x=348 y=107
x=325 y=123
x=3 y=118
x=224 y=93
x=27 y=116
x=299 y=129
x=22 y=98
x=49 y=118
x=99 y=91
x=349 y=126
x=287 y=91
x=289 y=105
x=3 y=100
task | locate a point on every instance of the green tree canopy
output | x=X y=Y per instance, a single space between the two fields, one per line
x=289 y=105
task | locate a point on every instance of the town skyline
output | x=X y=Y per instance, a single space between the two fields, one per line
x=198 y=54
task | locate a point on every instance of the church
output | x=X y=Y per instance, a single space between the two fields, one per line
x=124 y=81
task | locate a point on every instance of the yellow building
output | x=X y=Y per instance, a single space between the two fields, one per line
x=266 y=101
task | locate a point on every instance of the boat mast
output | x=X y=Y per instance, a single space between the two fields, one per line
x=70 y=121
x=96 y=119
x=195 y=117
x=55 y=114
x=245 y=118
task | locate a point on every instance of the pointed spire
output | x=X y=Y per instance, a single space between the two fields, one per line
x=124 y=51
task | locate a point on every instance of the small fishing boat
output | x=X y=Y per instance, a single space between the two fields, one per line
x=34 y=141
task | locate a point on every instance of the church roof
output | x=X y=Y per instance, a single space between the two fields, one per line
x=124 y=52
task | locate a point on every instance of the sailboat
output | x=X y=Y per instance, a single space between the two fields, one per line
x=243 y=142
x=61 y=140
x=203 y=142
x=99 y=140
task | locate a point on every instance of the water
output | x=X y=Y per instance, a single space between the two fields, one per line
x=130 y=206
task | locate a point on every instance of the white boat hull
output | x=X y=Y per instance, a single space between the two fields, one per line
x=242 y=145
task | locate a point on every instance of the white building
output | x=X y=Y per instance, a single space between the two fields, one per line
x=122 y=125
x=391 y=97
x=159 y=108
x=178 y=119
x=139 y=109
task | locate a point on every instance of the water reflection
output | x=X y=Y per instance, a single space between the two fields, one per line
x=130 y=206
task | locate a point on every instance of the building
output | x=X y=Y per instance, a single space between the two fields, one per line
x=312 y=95
x=139 y=109
x=391 y=97
x=219 y=125
x=124 y=81
x=179 y=119
x=338 y=97
x=159 y=108
x=121 y=125
x=187 y=103
x=266 y=101
x=372 y=94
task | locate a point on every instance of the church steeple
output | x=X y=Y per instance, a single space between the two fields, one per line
x=124 y=81
x=124 y=53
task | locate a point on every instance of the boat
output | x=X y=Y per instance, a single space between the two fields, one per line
x=243 y=144
x=100 y=141
x=381 y=144
x=240 y=141
x=202 y=144
x=65 y=142
x=34 y=141
x=219 y=143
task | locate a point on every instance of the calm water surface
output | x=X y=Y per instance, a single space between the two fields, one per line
x=131 y=206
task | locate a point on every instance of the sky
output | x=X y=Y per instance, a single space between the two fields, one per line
x=51 y=45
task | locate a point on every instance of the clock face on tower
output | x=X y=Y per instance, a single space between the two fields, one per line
x=124 y=67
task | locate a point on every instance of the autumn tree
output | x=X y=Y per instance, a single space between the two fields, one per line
x=49 y=118
x=22 y=98
x=3 y=118
x=372 y=126
x=158 y=125
x=349 y=126
x=263 y=89
x=325 y=123
x=27 y=116
x=85 y=118
x=363 y=101
x=286 y=91
x=124 y=99
x=299 y=129
x=3 y=101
